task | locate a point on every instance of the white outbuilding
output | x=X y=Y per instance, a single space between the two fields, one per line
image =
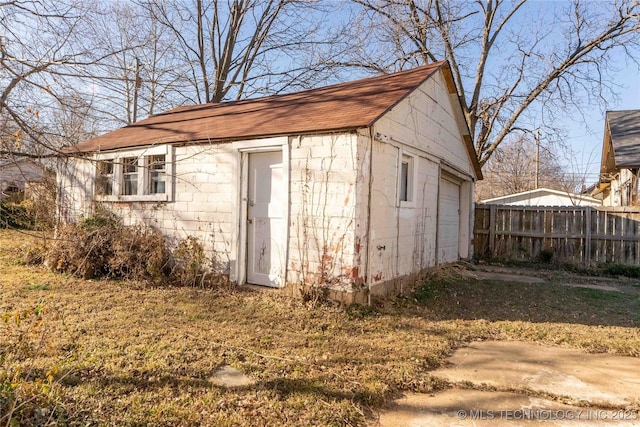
x=544 y=197
x=360 y=186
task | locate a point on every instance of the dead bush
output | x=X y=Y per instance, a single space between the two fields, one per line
x=100 y=246
x=189 y=263
x=139 y=253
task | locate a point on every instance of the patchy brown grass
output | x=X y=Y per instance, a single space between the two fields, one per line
x=121 y=353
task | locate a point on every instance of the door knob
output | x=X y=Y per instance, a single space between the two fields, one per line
x=249 y=221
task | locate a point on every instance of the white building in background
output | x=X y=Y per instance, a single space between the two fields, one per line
x=544 y=197
x=16 y=174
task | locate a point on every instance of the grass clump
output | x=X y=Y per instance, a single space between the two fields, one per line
x=433 y=286
x=631 y=271
x=28 y=388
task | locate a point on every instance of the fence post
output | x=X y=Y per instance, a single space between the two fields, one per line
x=492 y=231
x=547 y=224
x=587 y=235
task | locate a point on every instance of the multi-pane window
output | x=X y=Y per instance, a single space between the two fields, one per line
x=138 y=175
x=156 y=173
x=130 y=176
x=104 y=182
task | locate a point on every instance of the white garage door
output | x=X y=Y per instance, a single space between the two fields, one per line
x=448 y=221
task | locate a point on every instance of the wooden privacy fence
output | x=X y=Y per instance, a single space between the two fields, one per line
x=580 y=235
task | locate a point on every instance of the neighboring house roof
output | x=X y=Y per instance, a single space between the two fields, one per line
x=544 y=197
x=12 y=162
x=621 y=144
x=624 y=130
x=346 y=106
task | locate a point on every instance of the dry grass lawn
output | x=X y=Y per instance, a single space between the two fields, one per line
x=80 y=352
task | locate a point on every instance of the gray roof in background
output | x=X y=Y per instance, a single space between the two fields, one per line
x=625 y=137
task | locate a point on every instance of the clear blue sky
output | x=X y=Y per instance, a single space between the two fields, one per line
x=585 y=139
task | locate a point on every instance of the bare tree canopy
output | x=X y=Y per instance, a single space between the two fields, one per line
x=524 y=163
x=99 y=65
x=516 y=64
x=240 y=48
x=46 y=53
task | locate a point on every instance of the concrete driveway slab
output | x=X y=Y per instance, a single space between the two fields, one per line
x=576 y=388
x=484 y=408
x=598 y=379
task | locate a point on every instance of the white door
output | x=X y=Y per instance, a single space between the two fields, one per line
x=266 y=202
x=448 y=221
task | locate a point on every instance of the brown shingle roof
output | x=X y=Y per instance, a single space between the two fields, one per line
x=344 y=106
x=625 y=137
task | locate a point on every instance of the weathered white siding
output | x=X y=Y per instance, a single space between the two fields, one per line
x=622 y=189
x=323 y=180
x=74 y=192
x=404 y=235
x=426 y=121
x=201 y=207
x=324 y=244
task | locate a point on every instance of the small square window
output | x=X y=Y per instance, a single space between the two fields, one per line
x=406 y=179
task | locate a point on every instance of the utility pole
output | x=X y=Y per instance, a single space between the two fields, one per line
x=537 y=157
x=136 y=86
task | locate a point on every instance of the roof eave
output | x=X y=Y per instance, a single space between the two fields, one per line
x=73 y=149
x=453 y=91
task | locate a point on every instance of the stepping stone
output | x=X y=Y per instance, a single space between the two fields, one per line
x=227 y=376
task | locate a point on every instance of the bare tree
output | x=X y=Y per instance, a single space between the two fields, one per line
x=43 y=52
x=516 y=64
x=241 y=48
x=522 y=164
x=141 y=72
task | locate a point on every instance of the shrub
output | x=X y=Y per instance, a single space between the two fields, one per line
x=545 y=256
x=188 y=263
x=100 y=246
x=622 y=270
x=16 y=215
x=35 y=212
